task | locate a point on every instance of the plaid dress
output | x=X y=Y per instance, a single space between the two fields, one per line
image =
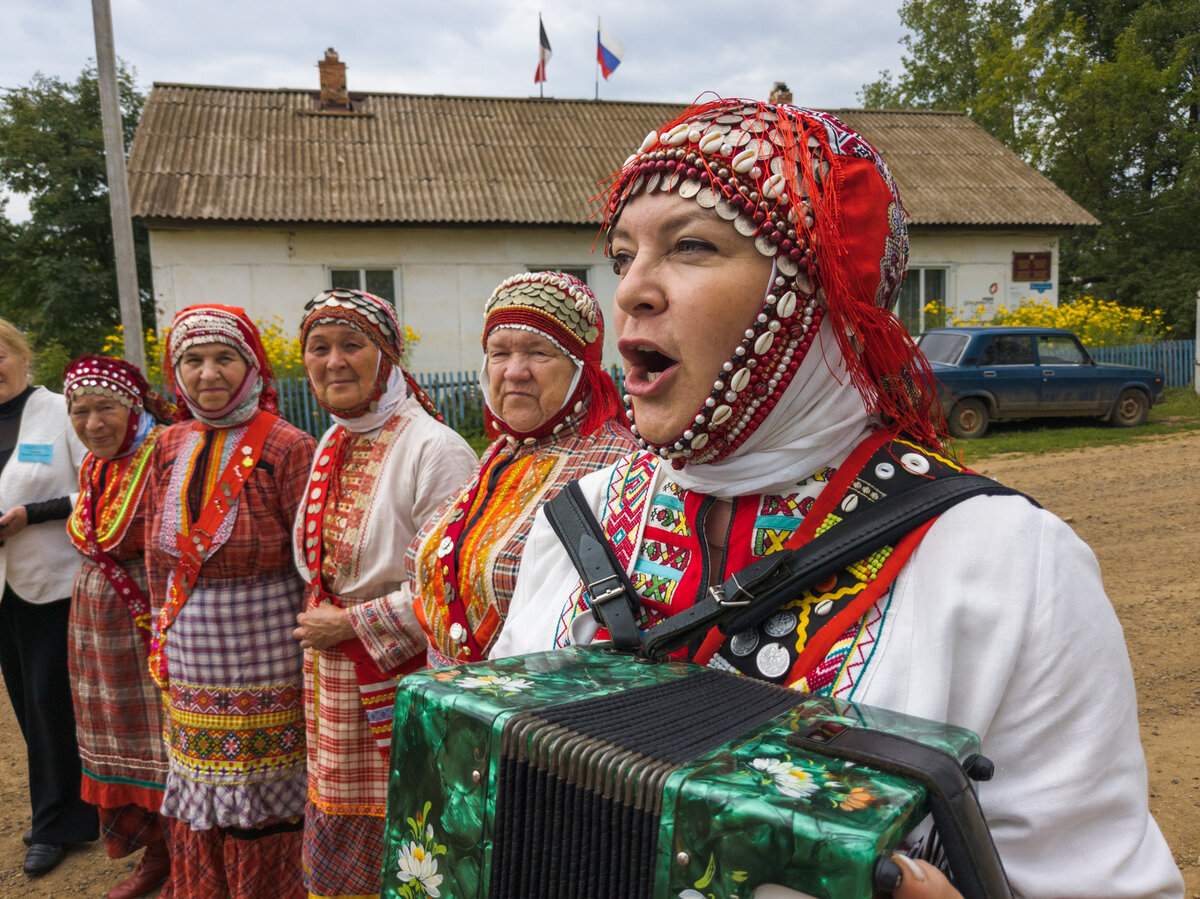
x=388 y=484
x=498 y=504
x=117 y=706
x=233 y=704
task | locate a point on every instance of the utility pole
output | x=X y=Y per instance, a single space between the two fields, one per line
x=118 y=185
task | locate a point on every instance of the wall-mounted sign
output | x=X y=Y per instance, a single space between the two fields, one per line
x=1031 y=267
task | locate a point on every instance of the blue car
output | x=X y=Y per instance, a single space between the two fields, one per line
x=996 y=372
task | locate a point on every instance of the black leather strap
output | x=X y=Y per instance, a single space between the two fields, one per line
x=761 y=588
x=757 y=591
x=613 y=600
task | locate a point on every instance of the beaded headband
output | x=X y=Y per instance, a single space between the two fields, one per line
x=555 y=304
x=113 y=378
x=371 y=315
x=817 y=200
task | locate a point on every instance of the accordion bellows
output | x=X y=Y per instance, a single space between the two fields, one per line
x=581 y=773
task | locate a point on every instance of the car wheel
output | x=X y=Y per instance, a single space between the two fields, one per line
x=1131 y=408
x=968 y=419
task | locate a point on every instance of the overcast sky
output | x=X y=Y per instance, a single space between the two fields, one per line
x=825 y=50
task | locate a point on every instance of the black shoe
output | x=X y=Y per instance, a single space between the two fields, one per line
x=28 y=838
x=42 y=858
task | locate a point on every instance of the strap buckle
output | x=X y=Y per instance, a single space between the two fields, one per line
x=719 y=596
x=611 y=593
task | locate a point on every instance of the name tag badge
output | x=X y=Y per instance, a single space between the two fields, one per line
x=35 y=452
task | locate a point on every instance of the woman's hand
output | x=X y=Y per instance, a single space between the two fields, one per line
x=922 y=881
x=323 y=627
x=12 y=523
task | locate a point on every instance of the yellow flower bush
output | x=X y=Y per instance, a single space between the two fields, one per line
x=281 y=345
x=1096 y=322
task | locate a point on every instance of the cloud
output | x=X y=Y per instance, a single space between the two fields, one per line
x=674 y=51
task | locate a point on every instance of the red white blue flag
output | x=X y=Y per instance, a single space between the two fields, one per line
x=609 y=50
x=543 y=53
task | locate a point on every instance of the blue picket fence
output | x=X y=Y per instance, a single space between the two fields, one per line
x=1176 y=359
x=456 y=394
x=460 y=401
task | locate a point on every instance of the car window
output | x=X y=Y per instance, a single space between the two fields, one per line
x=945 y=348
x=1058 y=349
x=1008 y=349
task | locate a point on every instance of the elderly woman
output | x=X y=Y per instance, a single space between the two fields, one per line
x=760 y=249
x=39 y=464
x=383 y=468
x=555 y=410
x=118 y=418
x=225 y=486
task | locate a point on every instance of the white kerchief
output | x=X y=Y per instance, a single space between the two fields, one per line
x=818 y=421
x=394 y=393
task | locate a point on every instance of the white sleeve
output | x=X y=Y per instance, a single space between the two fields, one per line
x=1000 y=623
x=541 y=604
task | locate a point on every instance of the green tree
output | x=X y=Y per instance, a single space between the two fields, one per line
x=57 y=270
x=1104 y=98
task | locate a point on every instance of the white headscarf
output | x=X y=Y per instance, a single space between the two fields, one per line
x=819 y=419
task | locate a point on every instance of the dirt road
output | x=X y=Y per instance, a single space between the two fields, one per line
x=1139 y=508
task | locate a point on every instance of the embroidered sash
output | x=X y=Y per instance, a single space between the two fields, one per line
x=461 y=606
x=115 y=506
x=194 y=542
x=376 y=687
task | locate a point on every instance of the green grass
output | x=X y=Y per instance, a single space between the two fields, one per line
x=1179 y=412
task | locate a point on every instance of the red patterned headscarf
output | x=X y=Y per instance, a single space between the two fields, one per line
x=118 y=380
x=230 y=325
x=820 y=203
x=562 y=308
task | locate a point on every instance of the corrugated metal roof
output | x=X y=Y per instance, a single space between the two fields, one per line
x=252 y=155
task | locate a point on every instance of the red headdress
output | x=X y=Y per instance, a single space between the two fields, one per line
x=819 y=202
x=375 y=318
x=214 y=323
x=118 y=380
x=562 y=308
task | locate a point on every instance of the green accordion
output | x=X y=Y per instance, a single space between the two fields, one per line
x=585 y=773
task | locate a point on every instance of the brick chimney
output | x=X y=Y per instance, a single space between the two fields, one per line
x=780 y=95
x=333 y=82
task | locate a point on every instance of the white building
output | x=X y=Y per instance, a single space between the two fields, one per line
x=261 y=198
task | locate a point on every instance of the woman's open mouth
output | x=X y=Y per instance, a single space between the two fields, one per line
x=648 y=367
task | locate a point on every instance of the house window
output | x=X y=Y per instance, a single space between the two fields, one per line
x=921 y=287
x=379 y=281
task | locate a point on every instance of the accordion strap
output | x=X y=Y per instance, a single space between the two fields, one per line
x=756 y=592
x=613 y=600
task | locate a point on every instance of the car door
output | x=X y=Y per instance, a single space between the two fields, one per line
x=1069 y=384
x=1008 y=365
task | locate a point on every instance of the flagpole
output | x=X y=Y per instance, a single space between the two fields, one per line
x=597 y=57
x=542 y=83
